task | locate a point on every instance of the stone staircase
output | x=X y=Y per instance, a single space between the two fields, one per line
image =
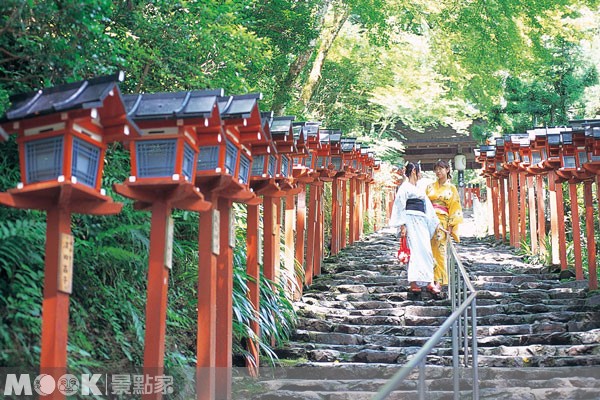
x=538 y=335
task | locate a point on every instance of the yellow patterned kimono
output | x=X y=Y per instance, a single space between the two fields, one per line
x=447 y=206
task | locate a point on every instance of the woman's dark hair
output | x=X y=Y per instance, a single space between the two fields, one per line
x=443 y=164
x=409 y=167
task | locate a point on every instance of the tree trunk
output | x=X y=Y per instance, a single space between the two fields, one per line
x=282 y=94
x=337 y=15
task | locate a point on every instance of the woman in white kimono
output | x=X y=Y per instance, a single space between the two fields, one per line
x=415 y=215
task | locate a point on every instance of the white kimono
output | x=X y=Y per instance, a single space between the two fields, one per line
x=420 y=228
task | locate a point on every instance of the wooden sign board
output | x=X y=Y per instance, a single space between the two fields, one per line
x=216 y=222
x=65 y=263
x=169 y=243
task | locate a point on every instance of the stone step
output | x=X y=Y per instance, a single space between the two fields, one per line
x=552 y=338
x=503 y=356
x=541 y=350
x=324 y=319
x=386 y=352
x=323 y=382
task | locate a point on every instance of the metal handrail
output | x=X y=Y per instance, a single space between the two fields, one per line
x=463 y=296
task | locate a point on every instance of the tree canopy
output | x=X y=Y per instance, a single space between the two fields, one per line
x=364 y=66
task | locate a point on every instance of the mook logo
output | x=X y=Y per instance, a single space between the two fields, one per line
x=89 y=384
x=45 y=384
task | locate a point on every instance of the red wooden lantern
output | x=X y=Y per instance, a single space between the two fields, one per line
x=282 y=134
x=312 y=133
x=592 y=144
x=573 y=155
x=167 y=152
x=499 y=158
x=300 y=140
x=324 y=152
x=524 y=151
x=62 y=133
x=225 y=161
x=537 y=145
x=335 y=141
x=553 y=148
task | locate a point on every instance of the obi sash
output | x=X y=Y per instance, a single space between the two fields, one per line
x=439 y=207
x=415 y=205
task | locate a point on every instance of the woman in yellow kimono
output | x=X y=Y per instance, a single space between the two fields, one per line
x=446 y=202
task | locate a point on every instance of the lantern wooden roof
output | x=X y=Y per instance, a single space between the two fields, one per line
x=266 y=145
x=197 y=109
x=300 y=140
x=537 y=144
x=86 y=103
x=282 y=133
x=311 y=129
x=241 y=115
x=553 y=145
x=179 y=105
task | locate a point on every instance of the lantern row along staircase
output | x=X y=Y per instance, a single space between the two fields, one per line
x=525 y=174
x=199 y=151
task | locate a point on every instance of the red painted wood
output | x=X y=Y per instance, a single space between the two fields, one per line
x=513 y=210
x=494 y=185
x=156 y=301
x=360 y=196
x=289 y=259
x=560 y=217
x=522 y=208
x=335 y=216
x=502 y=207
x=310 y=234
x=533 y=212
x=224 y=334
x=590 y=239
x=576 y=231
x=277 y=237
x=207 y=310
x=343 y=212
x=269 y=244
x=300 y=234
x=253 y=272
x=55 y=306
x=352 y=220
x=319 y=240
x=541 y=221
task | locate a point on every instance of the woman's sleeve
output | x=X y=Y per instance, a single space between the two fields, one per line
x=454 y=208
x=397 y=217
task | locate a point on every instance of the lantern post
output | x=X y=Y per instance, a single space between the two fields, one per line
x=348 y=145
x=62 y=134
x=535 y=167
x=163 y=169
x=264 y=165
x=487 y=166
x=573 y=155
x=501 y=174
x=315 y=189
x=528 y=193
x=223 y=176
x=353 y=194
x=282 y=132
x=552 y=162
x=303 y=174
x=592 y=145
x=335 y=162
